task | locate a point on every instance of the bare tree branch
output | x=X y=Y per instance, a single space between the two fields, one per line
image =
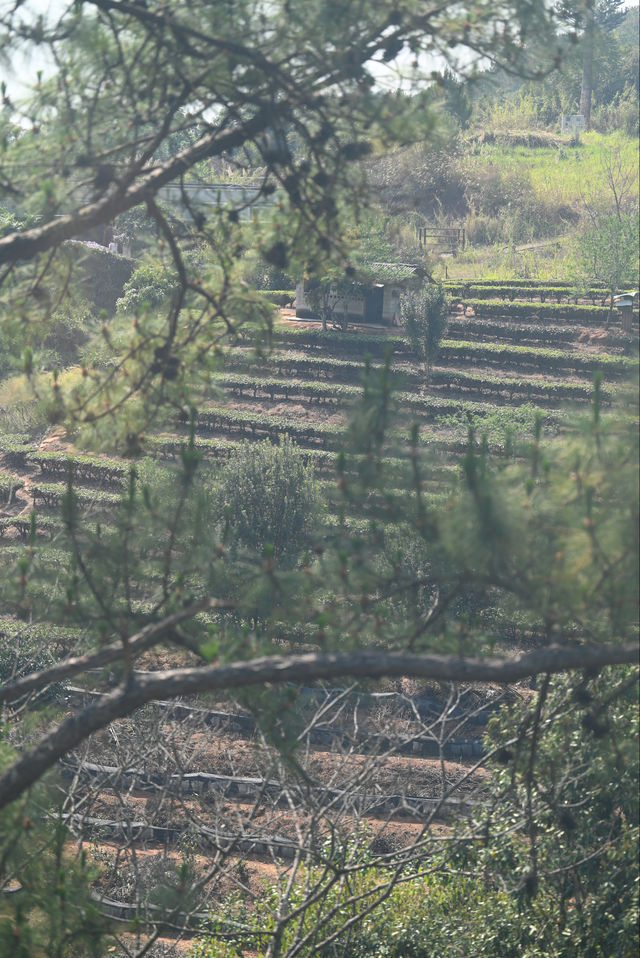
x=144 y=639
x=25 y=244
x=278 y=669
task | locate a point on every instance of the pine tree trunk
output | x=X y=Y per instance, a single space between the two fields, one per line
x=588 y=41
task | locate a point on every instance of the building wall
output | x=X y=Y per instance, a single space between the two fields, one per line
x=355 y=305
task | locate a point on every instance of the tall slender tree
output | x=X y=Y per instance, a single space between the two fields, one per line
x=591 y=17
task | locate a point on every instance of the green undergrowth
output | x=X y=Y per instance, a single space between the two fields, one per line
x=531 y=333
x=562 y=175
x=457 y=415
x=526 y=388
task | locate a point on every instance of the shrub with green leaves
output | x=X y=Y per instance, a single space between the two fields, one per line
x=424 y=314
x=269 y=496
x=149 y=286
x=68 y=330
x=8 y=221
x=608 y=252
x=47 y=907
x=262 y=275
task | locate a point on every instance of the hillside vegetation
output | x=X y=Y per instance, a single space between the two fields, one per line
x=318 y=639
x=263 y=471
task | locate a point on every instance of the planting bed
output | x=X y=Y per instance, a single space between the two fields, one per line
x=251 y=808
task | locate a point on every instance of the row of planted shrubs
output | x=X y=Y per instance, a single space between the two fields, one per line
x=551 y=312
x=528 y=333
x=511 y=292
x=379 y=347
x=452 y=381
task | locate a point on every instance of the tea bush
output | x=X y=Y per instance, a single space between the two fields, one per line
x=269 y=496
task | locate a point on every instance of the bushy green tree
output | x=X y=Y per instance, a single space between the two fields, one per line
x=607 y=251
x=269 y=498
x=424 y=314
x=329 y=296
x=149 y=287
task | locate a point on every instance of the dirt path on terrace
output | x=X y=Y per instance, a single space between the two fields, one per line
x=223 y=755
x=22 y=501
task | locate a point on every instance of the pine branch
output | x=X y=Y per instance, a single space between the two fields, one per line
x=294 y=668
x=147 y=637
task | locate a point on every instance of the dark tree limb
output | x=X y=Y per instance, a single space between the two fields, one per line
x=144 y=639
x=25 y=244
x=139 y=690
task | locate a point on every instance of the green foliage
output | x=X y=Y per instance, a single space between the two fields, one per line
x=571 y=884
x=507 y=104
x=452 y=381
x=621 y=113
x=544 y=360
x=526 y=291
x=547 y=865
x=556 y=530
x=67 y=332
x=8 y=221
x=91 y=469
x=33 y=342
x=424 y=177
x=352 y=344
x=329 y=296
x=503 y=196
x=47 y=907
x=149 y=286
x=532 y=334
x=584 y=900
x=280 y=297
x=268 y=426
x=608 y=251
x=149 y=93
x=584 y=314
x=456 y=99
x=424 y=315
x=505 y=188
x=262 y=275
x=269 y=497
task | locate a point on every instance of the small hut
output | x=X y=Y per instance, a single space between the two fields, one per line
x=372 y=296
x=624 y=303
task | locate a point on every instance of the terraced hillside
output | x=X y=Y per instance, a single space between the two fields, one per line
x=500 y=367
x=198 y=781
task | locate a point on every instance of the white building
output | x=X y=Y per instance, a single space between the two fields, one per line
x=375 y=299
